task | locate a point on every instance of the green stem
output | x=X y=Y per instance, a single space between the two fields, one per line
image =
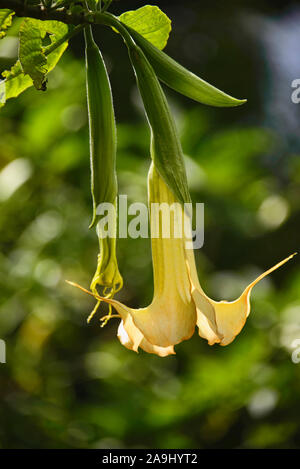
x=106 y=6
x=88 y=35
x=108 y=19
x=63 y=39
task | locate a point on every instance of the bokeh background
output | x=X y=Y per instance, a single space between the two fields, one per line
x=70 y=385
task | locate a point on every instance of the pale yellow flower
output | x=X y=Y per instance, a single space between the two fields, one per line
x=179 y=303
x=171 y=317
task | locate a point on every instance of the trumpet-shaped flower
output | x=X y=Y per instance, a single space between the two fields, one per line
x=179 y=302
x=171 y=317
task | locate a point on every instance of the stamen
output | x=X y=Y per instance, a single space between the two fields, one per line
x=93 y=312
x=109 y=316
x=105 y=298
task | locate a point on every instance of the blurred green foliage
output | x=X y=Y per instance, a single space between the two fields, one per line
x=69 y=385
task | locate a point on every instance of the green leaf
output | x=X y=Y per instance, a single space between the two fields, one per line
x=5 y=21
x=57 y=31
x=150 y=22
x=182 y=80
x=14 y=84
x=32 y=54
x=15 y=80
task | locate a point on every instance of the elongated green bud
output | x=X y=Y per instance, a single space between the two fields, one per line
x=104 y=188
x=182 y=80
x=102 y=127
x=169 y=71
x=166 y=150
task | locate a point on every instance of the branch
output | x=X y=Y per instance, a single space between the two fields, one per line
x=65 y=16
x=86 y=17
x=40 y=12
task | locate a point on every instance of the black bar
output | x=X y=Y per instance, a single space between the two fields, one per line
x=136 y=457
